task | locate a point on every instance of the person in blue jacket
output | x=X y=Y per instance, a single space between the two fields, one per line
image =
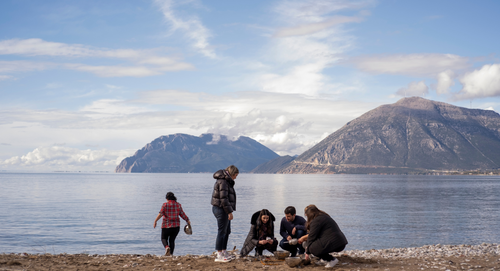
x=292 y=228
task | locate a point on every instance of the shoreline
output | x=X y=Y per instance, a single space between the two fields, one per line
x=441 y=257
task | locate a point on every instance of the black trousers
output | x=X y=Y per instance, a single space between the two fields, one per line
x=168 y=236
x=326 y=256
x=270 y=247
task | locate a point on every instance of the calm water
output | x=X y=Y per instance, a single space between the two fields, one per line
x=114 y=213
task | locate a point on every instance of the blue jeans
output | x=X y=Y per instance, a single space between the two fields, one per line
x=293 y=248
x=224 y=228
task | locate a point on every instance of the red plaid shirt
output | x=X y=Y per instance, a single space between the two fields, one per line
x=171 y=210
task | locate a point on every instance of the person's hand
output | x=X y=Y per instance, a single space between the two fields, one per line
x=262 y=242
x=294 y=230
x=154 y=227
x=270 y=241
x=307 y=257
x=289 y=238
x=302 y=239
x=230 y=216
x=189 y=223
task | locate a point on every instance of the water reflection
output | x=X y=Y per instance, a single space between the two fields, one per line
x=114 y=213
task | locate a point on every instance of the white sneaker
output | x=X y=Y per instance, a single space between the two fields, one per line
x=229 y=256
x=332 y=263
x=321 y=262
x=221 y=258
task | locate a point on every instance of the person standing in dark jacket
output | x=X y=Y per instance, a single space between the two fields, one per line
x=292 y=227
x=324 y=236
x=223 y=206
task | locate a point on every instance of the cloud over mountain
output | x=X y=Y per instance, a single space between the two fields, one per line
x=410 y=64
x=480 y=83
x=66 y=158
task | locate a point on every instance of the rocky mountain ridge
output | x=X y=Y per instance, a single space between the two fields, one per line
x=182 y=153
x=413 y=135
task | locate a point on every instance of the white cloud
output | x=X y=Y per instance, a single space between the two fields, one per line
x=66 y=158
x=114 y=71
x=411 y=64
x=53 y=86
x=414 y=89
x=312 y=28
x=23 y=66
x=445 y=82
x=5 y=77
x=192 y=27
x=108 y=107
x=112 y=86
x=39 y=47
x=303 y=79
x=145 y=62
x=287 y=123
x=315 y=10
x=290 y=128
x=481 y=83
x=310 y=40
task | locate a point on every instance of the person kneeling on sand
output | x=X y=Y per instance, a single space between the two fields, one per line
x=261 y=234
x=170 y=210
x=292 y=228
x=324 y=236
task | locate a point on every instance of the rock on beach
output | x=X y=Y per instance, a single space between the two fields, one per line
x=430 y=257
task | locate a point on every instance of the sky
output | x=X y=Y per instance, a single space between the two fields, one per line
x=84 y=84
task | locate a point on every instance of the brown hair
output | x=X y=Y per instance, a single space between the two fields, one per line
x=232 y=170
x=311 y=212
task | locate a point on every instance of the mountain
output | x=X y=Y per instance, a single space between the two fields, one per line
x=206 y=153
x=413 y=135
x=272 y=166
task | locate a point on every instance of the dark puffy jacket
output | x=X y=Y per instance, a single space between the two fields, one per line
x=224 y=195
x=325 y=236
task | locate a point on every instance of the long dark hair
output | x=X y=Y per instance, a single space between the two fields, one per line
x=269 y=225
x=171 y=196
x=311 y=212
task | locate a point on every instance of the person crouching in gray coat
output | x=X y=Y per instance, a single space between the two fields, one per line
x=261 y=234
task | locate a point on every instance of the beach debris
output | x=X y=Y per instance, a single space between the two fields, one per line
x=293 y=261
x=281 y=255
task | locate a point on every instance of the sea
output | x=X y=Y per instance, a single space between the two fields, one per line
x=108 y=213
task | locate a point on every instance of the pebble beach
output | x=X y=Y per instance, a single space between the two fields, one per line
x=430 y=257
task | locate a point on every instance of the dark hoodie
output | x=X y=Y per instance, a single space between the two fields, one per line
x=224 y=195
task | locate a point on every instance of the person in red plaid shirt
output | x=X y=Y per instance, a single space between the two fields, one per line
x=170 y=210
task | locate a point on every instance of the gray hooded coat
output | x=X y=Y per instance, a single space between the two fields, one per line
x=252 y=238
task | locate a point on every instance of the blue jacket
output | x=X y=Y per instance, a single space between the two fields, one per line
x=286 y=227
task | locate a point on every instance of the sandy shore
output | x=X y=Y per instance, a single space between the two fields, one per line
x=481 y=257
